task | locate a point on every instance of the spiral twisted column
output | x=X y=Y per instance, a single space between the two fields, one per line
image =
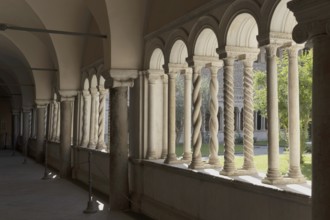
x=293 y=114
x=165 y=117
x=86 y=118
x=197 y=120
x=229 y=167
x=94 y=119
x=273 y=173
x=248 y=123
x=214 y=123
x=100 y=143
x=171 y=155
x=187 y=115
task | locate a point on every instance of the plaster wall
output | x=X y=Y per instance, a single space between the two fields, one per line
x=166 y=192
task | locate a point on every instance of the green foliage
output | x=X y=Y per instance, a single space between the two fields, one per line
x=305 y=93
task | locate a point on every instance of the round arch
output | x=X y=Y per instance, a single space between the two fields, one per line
x=178 y=34
x=157 y=60
x=205 y=22
x=151 y=46
x=243 y=32
x=179 y=53
x=235 y=12
x=206 y=43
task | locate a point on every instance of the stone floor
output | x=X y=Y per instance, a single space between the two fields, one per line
x=23 y=195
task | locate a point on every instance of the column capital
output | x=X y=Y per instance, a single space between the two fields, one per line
x=271 y=49
x=313 y=19
x=26 y=109
x=154 y=75
x=41 y=103
x=165 y=78
x=67 y=95
x=187 y=73
x=122 y=78
x=94 y=91
x=293 y=50
x=86 y=93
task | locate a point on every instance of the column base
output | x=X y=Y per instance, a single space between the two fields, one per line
x=164 y=155
x=229 y=173
x=187 y=156
x=283 y=181
x=171 y=159
x=197 y=163
x=214 y=162
x=92 y=146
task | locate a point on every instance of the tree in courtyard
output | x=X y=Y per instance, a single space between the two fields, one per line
x=305 y=63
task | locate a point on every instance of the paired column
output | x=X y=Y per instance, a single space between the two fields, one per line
x=197 y=120
x=293 y=114
x=41 y=113
x=187 y=154
x=229 y=138
x=248 y=127
x=65 y=137
x=94 y=118
x=273 y=173
x=171 y=155
x=214 y=123
x=165 y=117
x=101 y=123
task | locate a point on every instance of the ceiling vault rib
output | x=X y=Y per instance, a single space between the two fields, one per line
x=4 y=27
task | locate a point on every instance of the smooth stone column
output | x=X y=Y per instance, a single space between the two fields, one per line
x=151 y=151
x=58 y=126
x=26 y=131
x=171 y=155
x=101 y=122
x=248 y=123
x=54 y=121
x=34 y=123
x=41 y=113
x=15 y=129
x=255 y=121
x=86 y=118
x=119 y=192
x=65 y=137
x=187 y=154
x=165 y=117
x=263 y=123
x=273 y=173
x=196 y=162
x=321 y=128
x=293 y=115
x=213 y=123
x=229 y=167
x=94 y=119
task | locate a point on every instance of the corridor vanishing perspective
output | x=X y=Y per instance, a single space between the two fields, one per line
x=102 y=79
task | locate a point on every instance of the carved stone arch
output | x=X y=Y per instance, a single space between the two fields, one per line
x=84 y=76
x=150 y=48
x=203 y=23
x=92 y=77
x=234 y=10
x=178 y=34
x=267 y=13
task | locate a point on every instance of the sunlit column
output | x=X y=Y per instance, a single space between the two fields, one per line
x=171 y=155
x=187 y=154
x=214 y=123
x=293 y=114
x=93 y=118
x=101 y=123
x=273 y=172
x=197 y=119
x=86 y=118
x=248 y=127
x=229 y=167
x=165 y=117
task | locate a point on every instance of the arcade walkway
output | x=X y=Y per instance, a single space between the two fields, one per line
x=23 y=195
